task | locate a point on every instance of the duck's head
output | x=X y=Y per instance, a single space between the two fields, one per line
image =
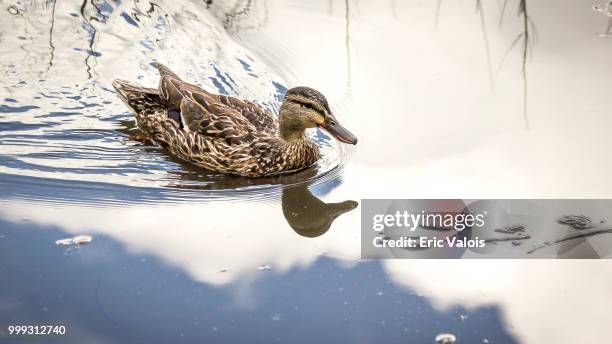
x=303 y=108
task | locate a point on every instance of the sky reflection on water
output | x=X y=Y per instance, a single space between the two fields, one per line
x=437 y=113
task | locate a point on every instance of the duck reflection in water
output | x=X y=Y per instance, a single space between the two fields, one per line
x=305 y=213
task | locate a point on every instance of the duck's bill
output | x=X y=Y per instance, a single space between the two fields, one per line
x=339 y=132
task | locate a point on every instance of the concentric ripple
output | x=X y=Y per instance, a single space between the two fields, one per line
x=62 y=126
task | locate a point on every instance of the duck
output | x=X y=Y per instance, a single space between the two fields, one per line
x=228 y=135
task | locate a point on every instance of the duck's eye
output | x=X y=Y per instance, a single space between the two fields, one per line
x=307 y=106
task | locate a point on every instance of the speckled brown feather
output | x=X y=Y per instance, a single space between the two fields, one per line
x=217 y=132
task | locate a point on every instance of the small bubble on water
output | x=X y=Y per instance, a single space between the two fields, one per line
x=13 y=10
x=76 y=241
x=445 y=338
x=82 y=239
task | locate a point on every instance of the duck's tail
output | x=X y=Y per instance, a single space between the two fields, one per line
x=135 y=96
x=165 y=71
x=145 y=103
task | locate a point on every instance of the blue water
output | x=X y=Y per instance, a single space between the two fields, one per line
x=102 y=292
x=180 y=254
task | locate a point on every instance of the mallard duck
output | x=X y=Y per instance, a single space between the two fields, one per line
x=229 y=135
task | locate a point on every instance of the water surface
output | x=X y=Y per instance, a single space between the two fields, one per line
x=449 y=100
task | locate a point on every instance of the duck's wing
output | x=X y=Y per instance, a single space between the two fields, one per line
x=173 y=91
x=171 y=87
x=215 y=120
x=261 y=118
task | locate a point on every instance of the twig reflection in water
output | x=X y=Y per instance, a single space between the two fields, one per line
x=582 y=224
x=607 y=11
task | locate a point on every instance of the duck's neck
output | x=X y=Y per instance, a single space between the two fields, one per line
x=291 y=129
x=296 y=148
x=299 y=152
